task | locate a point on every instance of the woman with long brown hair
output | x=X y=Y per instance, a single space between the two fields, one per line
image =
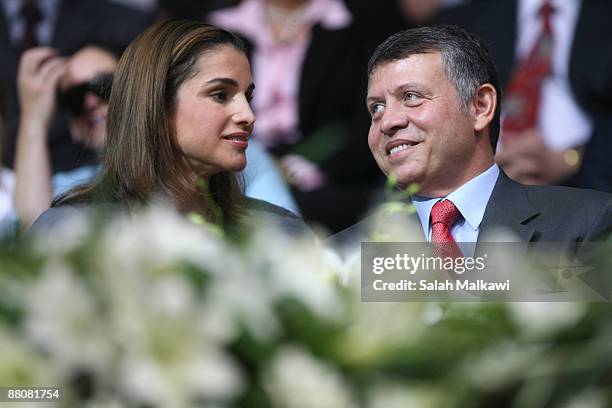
x=178 y=122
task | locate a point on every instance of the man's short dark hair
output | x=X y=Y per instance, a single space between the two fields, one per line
x=466 y=60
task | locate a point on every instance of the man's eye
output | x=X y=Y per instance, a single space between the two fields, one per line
x=376 y=108
x=411 y=97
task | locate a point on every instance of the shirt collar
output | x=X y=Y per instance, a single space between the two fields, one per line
x=470 y=199
x=331 y=14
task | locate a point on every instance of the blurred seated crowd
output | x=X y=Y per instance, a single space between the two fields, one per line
x=309 y=60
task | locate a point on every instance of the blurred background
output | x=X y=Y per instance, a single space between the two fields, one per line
x=309 y=60
x=153 y=314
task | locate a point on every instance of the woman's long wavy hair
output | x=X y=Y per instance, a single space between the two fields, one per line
x=142 y=157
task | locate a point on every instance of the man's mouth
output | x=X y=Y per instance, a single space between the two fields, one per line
x=396 y=147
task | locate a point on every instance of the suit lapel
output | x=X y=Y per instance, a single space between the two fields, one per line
x=509 y=208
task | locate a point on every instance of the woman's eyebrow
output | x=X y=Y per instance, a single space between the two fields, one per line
x=226 y=81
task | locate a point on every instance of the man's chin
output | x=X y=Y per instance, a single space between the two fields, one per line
x=404 y=180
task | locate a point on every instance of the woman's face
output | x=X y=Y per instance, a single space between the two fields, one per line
x=212 y=118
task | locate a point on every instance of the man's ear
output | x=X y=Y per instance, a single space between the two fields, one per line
x=483 y=106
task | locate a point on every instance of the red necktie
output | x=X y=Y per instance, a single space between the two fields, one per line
x=443 y=216
x=31 y=16
x=523 y=94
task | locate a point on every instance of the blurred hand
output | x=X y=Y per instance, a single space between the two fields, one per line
x=525 y=158
x=302 y=173
x=39 y=72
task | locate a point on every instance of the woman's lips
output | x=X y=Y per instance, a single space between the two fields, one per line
x=238 y=139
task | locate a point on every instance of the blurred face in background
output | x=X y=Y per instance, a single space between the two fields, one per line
x=212 y=117
x=87 y=109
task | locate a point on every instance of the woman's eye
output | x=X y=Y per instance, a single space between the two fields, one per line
x=219 y=96
x=249 y=97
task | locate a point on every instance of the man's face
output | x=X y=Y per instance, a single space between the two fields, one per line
x=419 y=131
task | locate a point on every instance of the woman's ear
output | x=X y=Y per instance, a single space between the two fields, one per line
x=483 y=106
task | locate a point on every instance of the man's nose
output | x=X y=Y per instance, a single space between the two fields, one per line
x=393 y=119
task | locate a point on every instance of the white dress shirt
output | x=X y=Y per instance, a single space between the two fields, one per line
x=562 y=123
x=16 y=25
x=471 y=200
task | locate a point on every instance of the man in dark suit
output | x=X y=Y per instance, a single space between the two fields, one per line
x=67 y=26
x=434 y=98
x=576 y=95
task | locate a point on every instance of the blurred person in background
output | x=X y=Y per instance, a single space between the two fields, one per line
x=46 y=80
x=179 y=121
x=417 y=12
x=555 y=63
x=7 y=182
x=189 y=9
x=308 y=61
x=67 y=26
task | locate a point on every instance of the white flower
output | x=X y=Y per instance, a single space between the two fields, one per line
x=590 y=398
x=64 y=319
x=297 y=380
x=70 y=233
x=539 y=319
x=156 y=237
x=166 y=357
x=20 y=364
x=501 y=364
x=298 y=269
x=392 y=222
x=379 y=328
x=105 y=401
x=207 y=375
x=241 y=295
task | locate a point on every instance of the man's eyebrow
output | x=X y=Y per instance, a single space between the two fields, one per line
x=400 y=89
x=371 y=99
x=409 y=85
x=226 y=81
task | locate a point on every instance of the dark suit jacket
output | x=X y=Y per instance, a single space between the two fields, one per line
x=597 y=171
x=533 y=213
x=79 y=23
x=590 y=64
x=270 y=216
